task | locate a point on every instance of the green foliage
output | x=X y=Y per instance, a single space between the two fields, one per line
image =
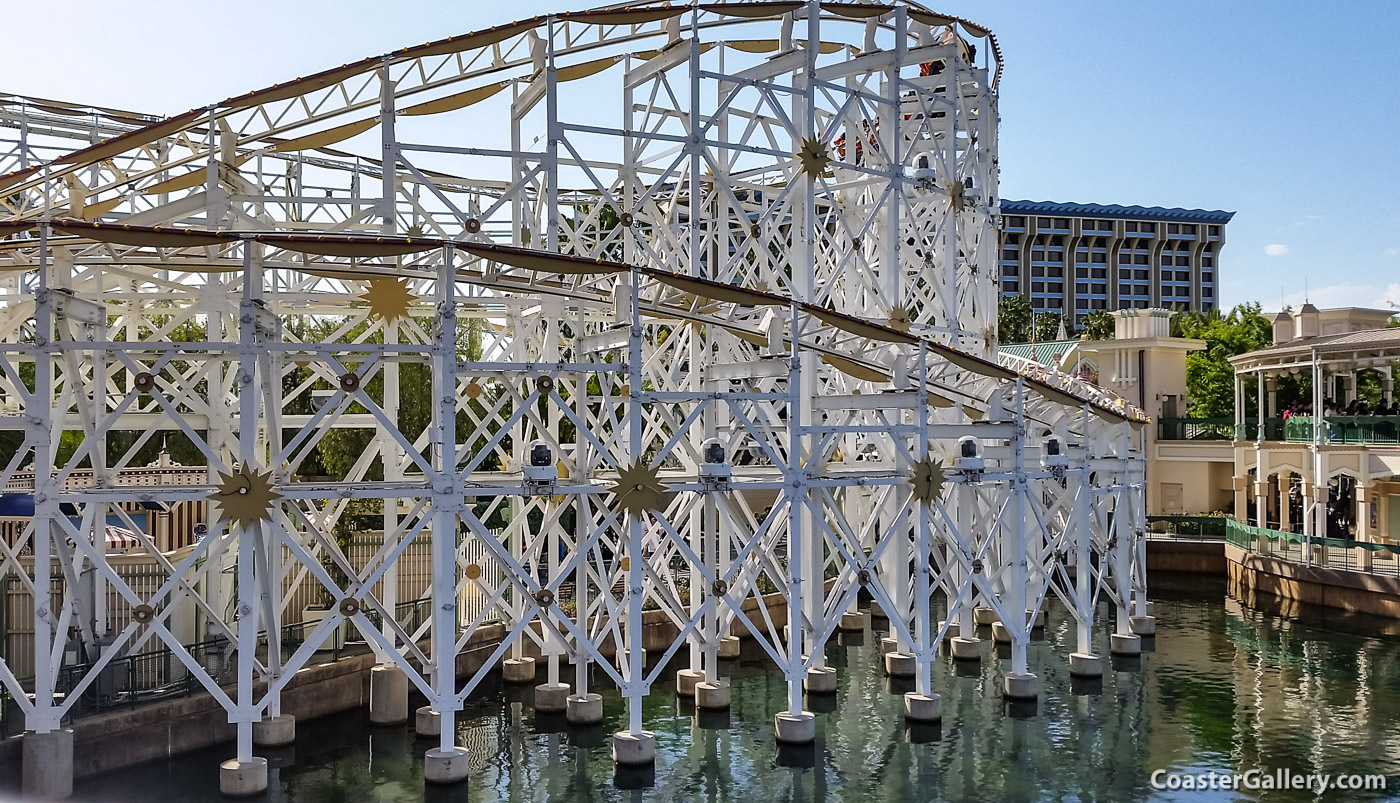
x=1013 y=319
x=1099 y=325
x=1209 y=376
x=1047 y=326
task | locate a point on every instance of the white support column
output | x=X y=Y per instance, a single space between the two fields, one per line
x=1083 y=661
x=634 y=745
x=246 y=774
x=447 y=763
x=1019 y=683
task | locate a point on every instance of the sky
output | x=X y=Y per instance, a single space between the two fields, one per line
x=1285 y=113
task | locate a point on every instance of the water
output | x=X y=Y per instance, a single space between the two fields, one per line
x=1225 y=687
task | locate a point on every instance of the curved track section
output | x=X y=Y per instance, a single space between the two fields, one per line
x=684 y=309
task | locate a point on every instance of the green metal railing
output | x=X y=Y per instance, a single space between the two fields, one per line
x=1216 y=429
x=1195 y=527
x=132 y=679
x=1359 y=429
x=1334 y=553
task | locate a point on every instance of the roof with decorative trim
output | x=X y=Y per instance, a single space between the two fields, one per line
x=1115 y=211
x=1043 y=352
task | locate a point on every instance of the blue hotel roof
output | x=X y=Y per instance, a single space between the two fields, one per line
x=1115 y=211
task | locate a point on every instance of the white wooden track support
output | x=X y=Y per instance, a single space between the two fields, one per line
x=726 y=329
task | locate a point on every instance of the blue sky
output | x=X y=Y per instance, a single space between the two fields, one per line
x=1286 y=113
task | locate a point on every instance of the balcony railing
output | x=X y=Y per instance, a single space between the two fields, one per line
x=1333 y=553
x=1375 y=429
x=1208 y=528
x=1216 y=429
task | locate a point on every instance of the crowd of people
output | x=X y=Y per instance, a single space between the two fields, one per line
x=1357 y=407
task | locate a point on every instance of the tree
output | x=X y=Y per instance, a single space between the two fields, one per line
x=1013 y=319
x=1047 y=326
x=1210 y=379
x=1099 y=325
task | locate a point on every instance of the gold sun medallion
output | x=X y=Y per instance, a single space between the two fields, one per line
x=245 y=496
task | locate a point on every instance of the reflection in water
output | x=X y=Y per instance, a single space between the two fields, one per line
x=1226 y=686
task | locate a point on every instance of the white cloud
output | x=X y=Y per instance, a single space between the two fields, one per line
x=1392 y=252
x=1275 y=249
x=1350 y=295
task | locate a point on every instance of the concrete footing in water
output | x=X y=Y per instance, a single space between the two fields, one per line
x=1024 y=686
x=1125 y=644
x=552 y=698
x=1085 y=665
x=923 y=707
x=427 y=722
x=243 y=779
x=1143 y=625
x=900 y=664
x=48 y=765
x=686 y=680
x=729 y=647
x=852 y=621
x=388 y=695
x=799 y=728
x=445 y=766
x=518 y=670
x=967 y=649
x=584 y=709
x=821 y=680
x=712 y=696
x=275 y=731
x=634 y=748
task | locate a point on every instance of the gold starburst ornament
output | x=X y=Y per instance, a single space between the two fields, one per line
x=900 y=319
x=388 y=299
x=245 y=496
x=814 y=156
x=638 y=489
x=927 y=479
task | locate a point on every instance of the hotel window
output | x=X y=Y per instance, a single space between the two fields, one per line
x=1011 y=252
x=1214 y=231
x=1208 y=258
x=1037 y=270
x=1081 y=288
x=1100 y=273
x=1038 y=255
x=1057 y=271
x=1037 y=287
x=1010 y=270
x=1207 y=292
x=1188 y=228
x=1207 y=277
x=1081 y=273
x=1061 y=222
x=1149 y=228
x=1173 y=228
x=1016 y=222
x=1011 y=287
x=1131 y=225
x=1042 y=222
